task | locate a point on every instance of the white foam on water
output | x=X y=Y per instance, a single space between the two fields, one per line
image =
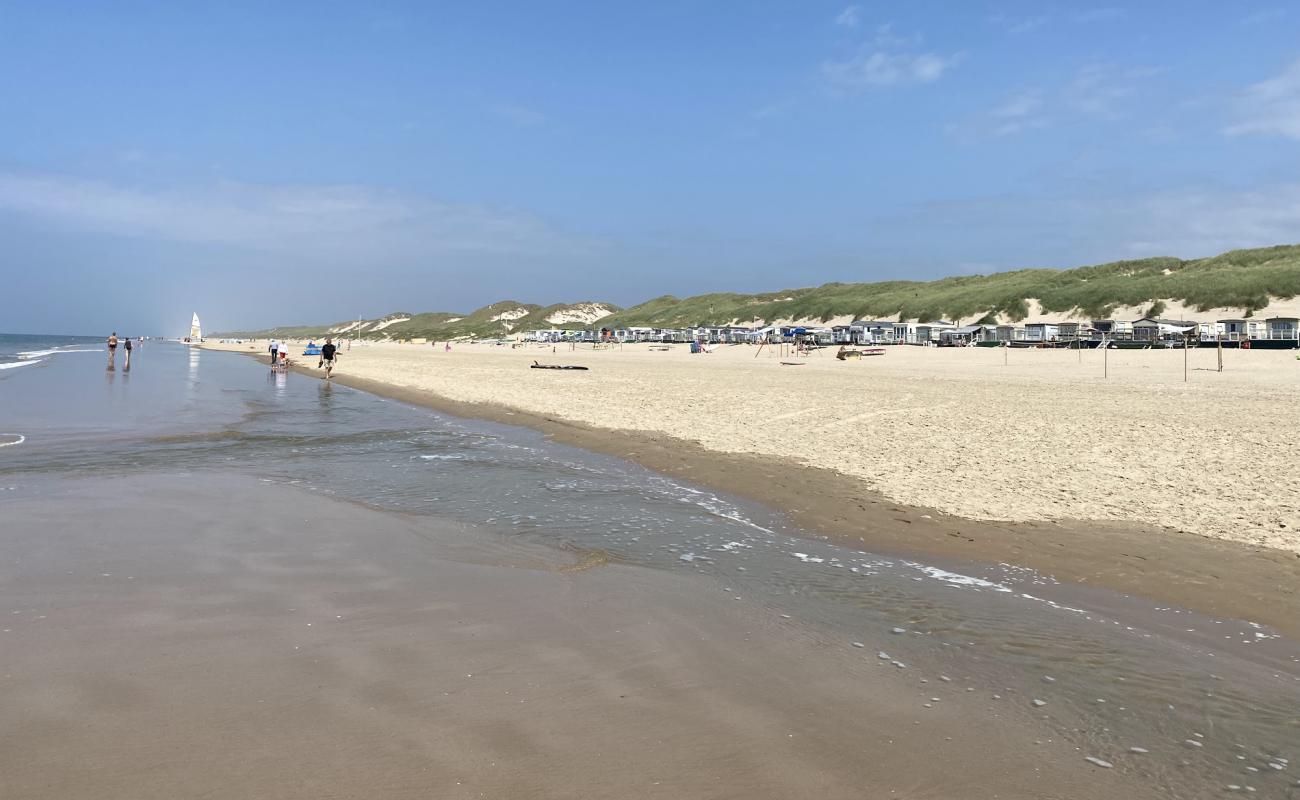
x=956 y=578
x=26 y=354
x=807 y=559
x=1052 y=603
x=19 y=440
x=16 y=364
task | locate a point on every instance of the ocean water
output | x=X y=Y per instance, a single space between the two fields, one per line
x=27 y=350
x=1123 y=672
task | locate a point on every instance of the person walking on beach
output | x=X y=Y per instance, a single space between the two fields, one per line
x=328 y=352
x=127 y=346
x=275 y=349
x=112 y=348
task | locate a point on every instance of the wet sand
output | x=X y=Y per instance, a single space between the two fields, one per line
x=229 y=637
x=1217 y=577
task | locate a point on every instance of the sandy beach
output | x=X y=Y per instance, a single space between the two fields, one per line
x=166 y=650
x=1136 y=481
x=1042 y=438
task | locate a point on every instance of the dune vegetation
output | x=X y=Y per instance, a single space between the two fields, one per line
x=1242 y=279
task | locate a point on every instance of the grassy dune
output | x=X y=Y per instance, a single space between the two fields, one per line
x=1244 y=279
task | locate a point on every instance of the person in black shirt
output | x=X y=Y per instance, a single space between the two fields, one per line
x=328 y=352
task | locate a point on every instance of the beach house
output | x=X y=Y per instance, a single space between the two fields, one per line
x=1009 y=333
x=1072 y=330
x=929 y=332
x=1152 y=329
x=864 y=332
x=1042 y=331
x=967 y=335
x=1283 y=328
x=1236 y=329
x=1112 y=329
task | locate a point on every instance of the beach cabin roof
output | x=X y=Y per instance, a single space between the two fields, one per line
x=1283 y=319
x=970 y=329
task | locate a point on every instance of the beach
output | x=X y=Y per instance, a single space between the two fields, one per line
x=1088 y=469
x=217 y=578
x=1042 y=438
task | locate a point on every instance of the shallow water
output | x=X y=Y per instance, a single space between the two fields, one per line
x=1207 y=698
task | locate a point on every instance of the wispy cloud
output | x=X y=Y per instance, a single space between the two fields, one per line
x=333 y=223
x=1021 y=111
x=849 y=17
x=518 y=115
x=1270 y=107
x=1098 y=91
x=1102 y=90
x=888 y=60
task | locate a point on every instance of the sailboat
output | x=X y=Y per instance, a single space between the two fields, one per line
x=196 y=330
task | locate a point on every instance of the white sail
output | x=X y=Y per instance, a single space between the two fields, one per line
x=196 y=330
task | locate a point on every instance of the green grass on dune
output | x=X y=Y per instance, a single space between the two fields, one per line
x=1244 y=279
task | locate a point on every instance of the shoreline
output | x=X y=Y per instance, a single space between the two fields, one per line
x=1211 y=576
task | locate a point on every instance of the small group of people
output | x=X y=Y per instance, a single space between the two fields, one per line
x=280 y=355
x=112 y=351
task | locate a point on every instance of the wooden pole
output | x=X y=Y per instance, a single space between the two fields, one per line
x=1105 y=359
x=1184 y=358
x=1005 y=348
x=1220 y=355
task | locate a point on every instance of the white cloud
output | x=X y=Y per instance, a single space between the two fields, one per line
x=1270 y=107
x=888 y=60
x=848 y=18
x=1101 y=90
x=335 y=223
x=1021 y=111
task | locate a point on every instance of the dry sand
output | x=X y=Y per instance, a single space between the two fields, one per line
x=1043 y=438
x=228 y=638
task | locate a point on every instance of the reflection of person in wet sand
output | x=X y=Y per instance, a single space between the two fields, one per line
x=127 y=366
x=112 y=349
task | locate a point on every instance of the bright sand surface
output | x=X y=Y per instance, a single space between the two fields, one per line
x=233 y=639
x=1044 y=436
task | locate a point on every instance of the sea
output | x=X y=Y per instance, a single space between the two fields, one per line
x=1207 y=702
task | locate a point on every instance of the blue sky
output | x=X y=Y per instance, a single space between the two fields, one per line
x=307 y=162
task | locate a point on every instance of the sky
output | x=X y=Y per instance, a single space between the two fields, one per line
x=310 y=162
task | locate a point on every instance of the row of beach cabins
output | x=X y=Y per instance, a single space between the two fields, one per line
x=1271 y=333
